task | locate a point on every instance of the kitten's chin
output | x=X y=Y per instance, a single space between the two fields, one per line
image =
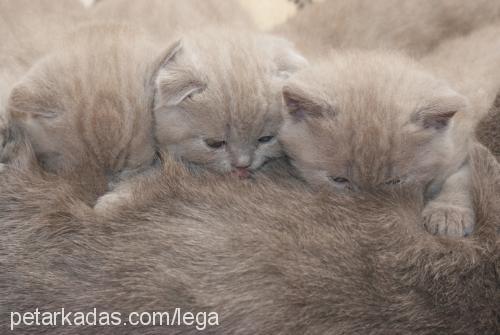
x=242 y=173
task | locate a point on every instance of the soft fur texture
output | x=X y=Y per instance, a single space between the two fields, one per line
x=219 y=86
x=413 y=26
x=162 y=18
x=488 y=130
x=364 y=120
x=471 y=64
x=28 y=30
x=219 y=102
x=269 y=260
x=222 y=87
x=89 y=102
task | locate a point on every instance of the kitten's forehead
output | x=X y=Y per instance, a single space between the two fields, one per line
x=243 y=85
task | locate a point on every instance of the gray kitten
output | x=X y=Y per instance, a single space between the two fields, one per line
x=374 y=120
x=89 y=101
x=92 y=100
x=219 y=102
x=267 y=259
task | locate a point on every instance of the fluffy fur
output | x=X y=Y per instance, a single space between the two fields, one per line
x=80 y=104
x=471 y=64
x=28 y=30
x=268 y=259
x=89 y=102
x=369 y=120
x=219 y=99
x=488 y=130
x=162 y=18
x=413 y=26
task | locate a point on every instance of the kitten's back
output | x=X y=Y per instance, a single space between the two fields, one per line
x=89 y=102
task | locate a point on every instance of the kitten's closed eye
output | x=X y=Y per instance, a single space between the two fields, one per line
x=266 y=139
x=215 y=144
x=394 y=181
x=340 y=182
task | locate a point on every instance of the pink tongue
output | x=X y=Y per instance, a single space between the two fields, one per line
x=242 y=173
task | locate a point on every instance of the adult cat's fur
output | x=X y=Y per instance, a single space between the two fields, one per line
x=374 y=119
x=412 y=26
x=269 y=260
x=488 y=130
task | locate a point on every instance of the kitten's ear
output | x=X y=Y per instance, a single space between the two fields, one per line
x=439 y=113
x=288 y=60
x=174 y=80
x=23 y=104
x=301 y=105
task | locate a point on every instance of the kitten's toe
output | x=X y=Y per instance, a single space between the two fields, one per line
x=112 y=200
x=449 y=220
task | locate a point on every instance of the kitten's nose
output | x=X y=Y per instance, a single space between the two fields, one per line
x=242 y=162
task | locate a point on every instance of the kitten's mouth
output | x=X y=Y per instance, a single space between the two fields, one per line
x=242 y=173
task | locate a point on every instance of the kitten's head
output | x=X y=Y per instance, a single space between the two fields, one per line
x=219 y=100
x=89 y=102
x=361 y=121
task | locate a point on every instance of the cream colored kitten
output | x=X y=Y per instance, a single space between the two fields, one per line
x=374 y=120
x=408 y=25
x=219 y=99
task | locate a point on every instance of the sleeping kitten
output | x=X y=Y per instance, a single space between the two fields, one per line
x=28 y=30
x=89 y=101
x=373 y=120
x=219 y=99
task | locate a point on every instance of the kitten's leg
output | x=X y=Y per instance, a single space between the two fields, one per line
x=124 y=192
x=451 y=212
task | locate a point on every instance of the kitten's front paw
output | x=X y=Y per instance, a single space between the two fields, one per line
x=446 y=219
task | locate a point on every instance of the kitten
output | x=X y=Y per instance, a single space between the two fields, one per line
x=219 y=100
x=216 y=100
x=28 y=30
x=257 y=254
x=89 y=101
x=372 y=120
x=412 y=26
